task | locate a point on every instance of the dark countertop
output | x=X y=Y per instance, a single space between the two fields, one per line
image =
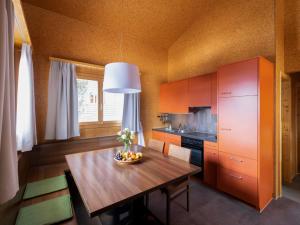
x=191 y=134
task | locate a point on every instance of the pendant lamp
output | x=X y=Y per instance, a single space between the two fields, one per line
x=121 y=77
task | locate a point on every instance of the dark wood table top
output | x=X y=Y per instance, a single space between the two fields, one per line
x=103 y=183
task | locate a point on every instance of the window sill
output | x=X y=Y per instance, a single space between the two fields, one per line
x=99 y=124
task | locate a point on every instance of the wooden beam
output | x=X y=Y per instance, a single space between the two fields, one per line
x=77 y=63
x=279 y=53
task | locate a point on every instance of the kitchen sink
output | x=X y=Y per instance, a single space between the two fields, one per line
x=175 y=131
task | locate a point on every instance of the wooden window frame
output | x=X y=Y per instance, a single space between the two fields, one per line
x=100 y=122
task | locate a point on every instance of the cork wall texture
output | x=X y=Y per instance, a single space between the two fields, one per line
x=167 y=40
x=292 y=36
x=224 y=32
x=56 y=35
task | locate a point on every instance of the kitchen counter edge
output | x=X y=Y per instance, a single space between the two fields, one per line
x=211 y=139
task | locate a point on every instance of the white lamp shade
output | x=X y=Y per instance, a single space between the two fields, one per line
x=121 y=77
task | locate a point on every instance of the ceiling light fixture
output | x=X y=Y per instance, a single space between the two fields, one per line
x=121 y=77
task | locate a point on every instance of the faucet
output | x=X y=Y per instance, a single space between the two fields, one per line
x=180 y=128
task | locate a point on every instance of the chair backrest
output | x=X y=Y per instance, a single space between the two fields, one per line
x=180 y=152
x=156 y=145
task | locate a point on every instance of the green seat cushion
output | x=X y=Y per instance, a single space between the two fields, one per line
x=47 y=212
x=45 y=186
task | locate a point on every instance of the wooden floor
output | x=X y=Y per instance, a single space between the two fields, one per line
x=43 y=172
x=292 y=191
x=208 y=207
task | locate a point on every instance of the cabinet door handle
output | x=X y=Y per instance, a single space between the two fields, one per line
x=226 y=129
x=236 y=177
x=226 y=93
x=237 y=160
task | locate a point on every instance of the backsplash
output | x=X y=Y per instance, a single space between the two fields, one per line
x=202 y=121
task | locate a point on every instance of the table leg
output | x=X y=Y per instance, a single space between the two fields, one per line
x=147 y=200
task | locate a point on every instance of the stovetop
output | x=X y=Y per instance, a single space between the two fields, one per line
x=192 y=134
x=200 y=134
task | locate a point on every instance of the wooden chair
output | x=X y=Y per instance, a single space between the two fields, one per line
x=156 y=145
x=174 y=190
x=180 y=152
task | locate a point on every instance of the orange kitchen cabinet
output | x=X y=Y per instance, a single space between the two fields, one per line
x=239 y=185
x=167 y=138
x=164 y=98
x=211 y=161
x=161 y=136
x=246 y=130
x=214 y=94
x=238 y=126
x=199 y=91
x=238 y=79
x=174 y=97
x=237 y=163
x=171 y=139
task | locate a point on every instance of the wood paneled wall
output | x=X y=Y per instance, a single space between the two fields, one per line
x=53 y=34
x=296 y=120
x=227 y=32
x=290 y=127
x=297 y=123
x=288 y=146
x=52 y=153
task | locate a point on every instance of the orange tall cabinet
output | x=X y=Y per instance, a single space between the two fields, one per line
x=246 y=130
x=211 y=161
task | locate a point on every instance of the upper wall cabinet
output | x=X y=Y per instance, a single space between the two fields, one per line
x=178 y=96
x=200 y=91
x=174 y=97
x=238 y=79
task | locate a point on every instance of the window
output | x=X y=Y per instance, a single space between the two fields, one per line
x=112 y=106
x=95 y=106
x=88 y=100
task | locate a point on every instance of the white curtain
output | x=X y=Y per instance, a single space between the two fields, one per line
x=131 y=116
x=62 y=115
x=26 y=127
x=9 y=183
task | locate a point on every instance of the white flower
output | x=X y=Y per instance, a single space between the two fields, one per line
x=132 y=132
x=123 y=136
x=126 y=129
x=132 y=136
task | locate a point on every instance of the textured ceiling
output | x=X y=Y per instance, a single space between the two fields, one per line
x=158 y=22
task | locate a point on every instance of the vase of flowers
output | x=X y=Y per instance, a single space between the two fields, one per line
x=126 y=137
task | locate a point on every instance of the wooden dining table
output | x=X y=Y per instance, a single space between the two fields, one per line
x=104 y=184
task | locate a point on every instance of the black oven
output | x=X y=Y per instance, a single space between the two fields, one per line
x=196 y=147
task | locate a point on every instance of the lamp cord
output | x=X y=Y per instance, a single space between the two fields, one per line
x=121 y=33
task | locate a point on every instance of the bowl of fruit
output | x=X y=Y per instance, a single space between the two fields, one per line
x=128 y=157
